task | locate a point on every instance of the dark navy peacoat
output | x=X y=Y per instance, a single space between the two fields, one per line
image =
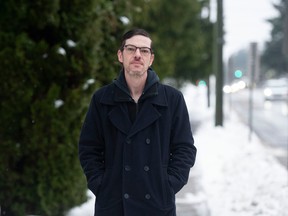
x=136 y=168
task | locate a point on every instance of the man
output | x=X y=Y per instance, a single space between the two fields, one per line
x=136 y=146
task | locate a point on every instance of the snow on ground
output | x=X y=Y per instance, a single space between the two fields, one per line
x=238 y=177
x=86 y=209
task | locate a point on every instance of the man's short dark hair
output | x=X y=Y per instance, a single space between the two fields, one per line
x=131 y=33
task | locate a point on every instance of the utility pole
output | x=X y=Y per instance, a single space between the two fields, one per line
x=252 y=72
x=285 y=44
x=219 y=65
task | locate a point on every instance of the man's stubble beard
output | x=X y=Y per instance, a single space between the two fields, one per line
x=136 y=74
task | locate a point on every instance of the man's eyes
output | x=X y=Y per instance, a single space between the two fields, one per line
x=131 y=49
x=144 y=50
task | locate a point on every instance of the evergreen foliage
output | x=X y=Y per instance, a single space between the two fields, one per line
x=273 y=59
x=48 y=51
x=53 y=55
x=182 y=37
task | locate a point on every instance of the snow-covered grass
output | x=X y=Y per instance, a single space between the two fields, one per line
x=240 y=177
x=87 y=209
x=237 y=177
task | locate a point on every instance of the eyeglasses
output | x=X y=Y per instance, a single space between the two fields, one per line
x=131 y=49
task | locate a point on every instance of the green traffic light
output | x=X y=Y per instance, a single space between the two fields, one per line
x=238 y=73
x=201 y=83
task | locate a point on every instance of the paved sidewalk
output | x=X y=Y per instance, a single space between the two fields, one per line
x=191 y=200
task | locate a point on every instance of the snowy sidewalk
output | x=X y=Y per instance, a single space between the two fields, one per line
x=238 y=177
x=232 y=176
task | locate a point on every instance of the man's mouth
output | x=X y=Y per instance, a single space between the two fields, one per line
x=137 y=63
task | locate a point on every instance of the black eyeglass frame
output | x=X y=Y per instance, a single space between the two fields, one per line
x=150 y=49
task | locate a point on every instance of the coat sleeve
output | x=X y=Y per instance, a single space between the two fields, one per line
x=182 y=149
x=91 y=147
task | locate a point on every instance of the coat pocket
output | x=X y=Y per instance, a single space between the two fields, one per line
x=94 y=184
x=109 y=193
x=169 y=194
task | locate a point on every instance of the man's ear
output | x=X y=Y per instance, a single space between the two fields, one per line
x=120 y=56
x=151 y=59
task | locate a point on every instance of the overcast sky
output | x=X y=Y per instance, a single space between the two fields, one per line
x=244 y=22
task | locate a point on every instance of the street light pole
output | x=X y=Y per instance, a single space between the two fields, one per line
x=252 y=72
x=219 y=65
x=285 y=45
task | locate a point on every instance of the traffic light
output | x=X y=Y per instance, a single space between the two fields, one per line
x=238 y=74
x=201 y=83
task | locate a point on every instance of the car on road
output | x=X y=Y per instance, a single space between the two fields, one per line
x=276 y=89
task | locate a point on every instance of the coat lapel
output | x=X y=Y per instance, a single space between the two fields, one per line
x=118 y=114
x=120 y=119
x=147 y=115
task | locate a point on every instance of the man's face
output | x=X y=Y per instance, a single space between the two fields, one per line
x=136 y=62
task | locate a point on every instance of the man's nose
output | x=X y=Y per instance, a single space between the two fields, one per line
x=137 y=52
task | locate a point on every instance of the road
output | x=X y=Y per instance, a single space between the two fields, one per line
x=269 y=120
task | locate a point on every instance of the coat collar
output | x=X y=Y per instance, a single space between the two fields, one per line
x=118 y=114
x=147 y=115
x=112 y=96
x=118 y=91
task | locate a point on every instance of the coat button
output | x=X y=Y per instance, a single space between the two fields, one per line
x=147 y=196
x=127 y=168
x=128 y=141
x=148 y=141
x=146 y=168
x=126 y=196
